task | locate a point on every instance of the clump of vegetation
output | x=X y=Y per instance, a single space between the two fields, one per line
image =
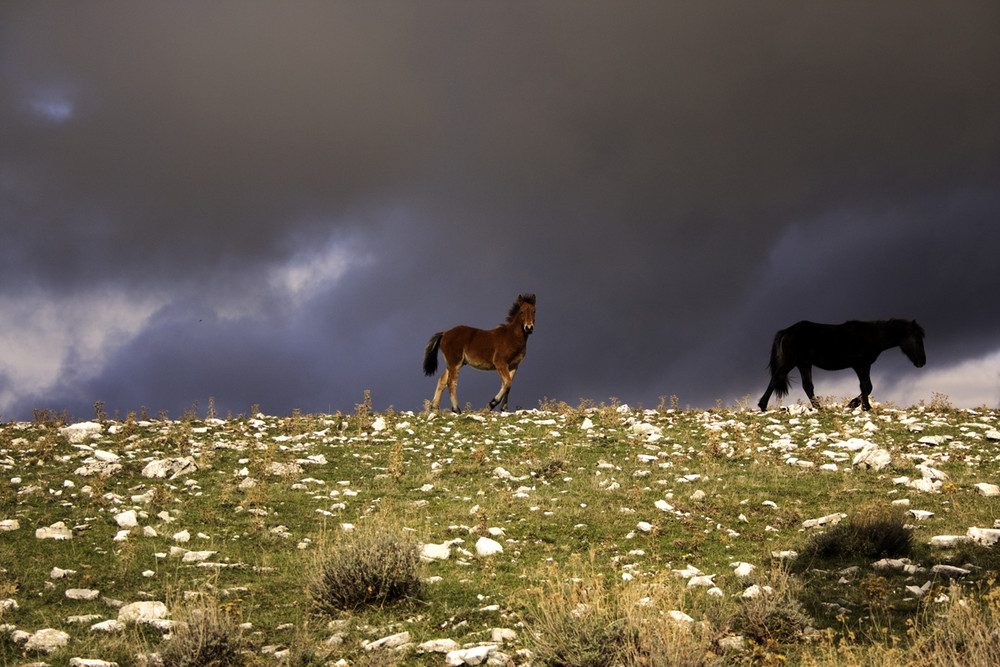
x=367 y=566
x=206 y=636
x=776 y=615
x=869 y=532
x=582 y=620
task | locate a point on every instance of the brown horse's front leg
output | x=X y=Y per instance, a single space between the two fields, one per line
x=506 y=378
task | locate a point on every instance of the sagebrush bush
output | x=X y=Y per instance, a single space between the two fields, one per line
x=205 y=637
x=371 y=565
x=870 y=532
x=777 y=615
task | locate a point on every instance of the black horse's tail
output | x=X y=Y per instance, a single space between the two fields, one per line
x=779 y=369
x=431 y=354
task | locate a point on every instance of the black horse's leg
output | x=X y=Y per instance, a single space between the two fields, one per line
x=806 y=373
x=762 y=403
x=864 y=378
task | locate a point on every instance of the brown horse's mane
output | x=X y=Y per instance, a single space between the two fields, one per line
x=529 y=298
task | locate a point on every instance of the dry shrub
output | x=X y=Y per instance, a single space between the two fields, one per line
x=870 y=532
x=583 y=621
x=372 y=564
x=205 y=636
x=776 y=616
x=966 y=632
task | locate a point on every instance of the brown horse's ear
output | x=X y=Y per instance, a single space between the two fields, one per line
x=528 y=298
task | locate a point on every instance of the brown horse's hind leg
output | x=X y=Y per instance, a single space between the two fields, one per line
x=453 y=388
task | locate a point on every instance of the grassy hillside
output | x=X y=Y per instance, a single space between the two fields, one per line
x=628 y=537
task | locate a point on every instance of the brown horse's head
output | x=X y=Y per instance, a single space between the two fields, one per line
x=523 y=312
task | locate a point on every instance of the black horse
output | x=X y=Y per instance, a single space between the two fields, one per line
x=834 y=347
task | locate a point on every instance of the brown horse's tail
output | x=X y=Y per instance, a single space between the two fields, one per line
x=431 y=354
x=779 y=370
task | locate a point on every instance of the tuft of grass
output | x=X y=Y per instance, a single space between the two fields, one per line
x=205 y=636
x=371 y=565
x=776 y=616
x=869 y=532
x=576 y=619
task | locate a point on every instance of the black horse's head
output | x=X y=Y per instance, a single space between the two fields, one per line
x=911 y=341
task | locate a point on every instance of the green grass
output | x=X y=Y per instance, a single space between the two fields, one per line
x=569 y=495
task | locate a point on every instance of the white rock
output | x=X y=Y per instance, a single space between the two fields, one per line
x=438 y=646
x=8 y=525
x=390 y=642
x=587 y=425
x=182 y=536
x=149 y=531
x=948 y=540
x=105 y=456
x=146 y=610
x=735 y=643
x=58 y=573
x=127 y=519
x=920 y=515
x=701 y=580
x=172 y=468
x=487 y=547
x=988 y=490
x=431 y=552
x=644 y=526
x=378 y=424
x=831 y=519
x=698 y=495
x=663 y=505
x=872 y=457
x=57 y=531
x=476 y=655
x=197 y=556
x=985 y=536
x=680 y=617
x=82 y=594
x=950 y=570
x=90 y=662
x=77 y=433
x=743 y=569
x=501 y=635
x=47 y=640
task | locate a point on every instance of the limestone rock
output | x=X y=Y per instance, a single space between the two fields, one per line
x=47 y=640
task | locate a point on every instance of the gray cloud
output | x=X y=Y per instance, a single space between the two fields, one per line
x=674 y=182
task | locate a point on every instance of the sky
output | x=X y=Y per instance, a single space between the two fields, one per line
x=277 y=204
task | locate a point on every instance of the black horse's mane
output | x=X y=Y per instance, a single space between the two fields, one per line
x=524 y=298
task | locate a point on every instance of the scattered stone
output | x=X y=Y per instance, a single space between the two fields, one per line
x=390 y=642
x=170 y=468
x=431 y=552
x=438 y=646
x=988 y=490
x=146 y=610
x=985 y=536
x=57 y=531
x=47 y=640
x=8 y=525
x=82 y=594
x=127 y=519
x=487 y=547
x=872 y=457
x=476 y=655
x=77 y=433
x=90 y=662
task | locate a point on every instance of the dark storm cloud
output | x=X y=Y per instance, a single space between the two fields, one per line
x=674 y=182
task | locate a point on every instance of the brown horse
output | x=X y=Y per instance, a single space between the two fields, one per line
x=500 y=349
